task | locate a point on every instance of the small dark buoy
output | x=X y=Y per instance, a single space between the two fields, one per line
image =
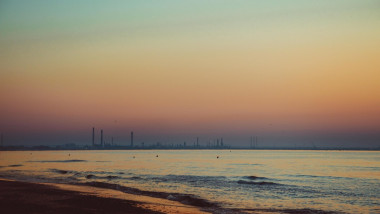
x=133 y=156
x=217 y=157
x=69 y=154
x=156 y=156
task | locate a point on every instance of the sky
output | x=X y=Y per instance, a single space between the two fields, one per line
x=290 y=72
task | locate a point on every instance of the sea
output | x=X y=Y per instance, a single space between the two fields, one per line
x=267 y=181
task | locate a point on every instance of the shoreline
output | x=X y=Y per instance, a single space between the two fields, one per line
x=28 y=197
x=27 y=149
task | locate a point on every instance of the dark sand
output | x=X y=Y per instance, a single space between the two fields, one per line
x=22 y=197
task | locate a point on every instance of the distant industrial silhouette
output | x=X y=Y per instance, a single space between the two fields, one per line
x=216 y=143
x=93 y=137
x=253 y=144
x=101 y=138
x=131 y=139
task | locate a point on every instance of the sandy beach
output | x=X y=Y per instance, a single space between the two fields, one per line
x=24 y=197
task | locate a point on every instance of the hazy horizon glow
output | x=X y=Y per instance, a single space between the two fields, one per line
x=178 y=68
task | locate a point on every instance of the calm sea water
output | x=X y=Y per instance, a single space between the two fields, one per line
x=342 y=181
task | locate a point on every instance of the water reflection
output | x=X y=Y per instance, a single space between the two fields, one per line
x=322 y=180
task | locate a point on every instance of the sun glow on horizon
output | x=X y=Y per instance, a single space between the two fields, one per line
x=191 y=66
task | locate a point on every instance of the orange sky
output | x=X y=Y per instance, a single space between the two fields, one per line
x=304 y=67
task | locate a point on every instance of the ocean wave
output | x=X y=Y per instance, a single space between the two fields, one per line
x=89 y=174
x=319 y=176
x=59 y=171
x=15 y=165
x=109 y=177
x=182 y=198
x=292 y=211
x=135 y=178
x=188 y=178
x=252 y=177
x=246 y=164
x=257 y=182
x=58 y=161
x=106 y=173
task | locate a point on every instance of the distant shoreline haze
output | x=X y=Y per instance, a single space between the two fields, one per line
x=310 y=141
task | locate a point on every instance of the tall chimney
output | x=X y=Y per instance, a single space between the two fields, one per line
x=101 y=138
x=93 y=136
x=131 y=139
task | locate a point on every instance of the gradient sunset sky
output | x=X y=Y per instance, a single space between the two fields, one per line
x=291 y=72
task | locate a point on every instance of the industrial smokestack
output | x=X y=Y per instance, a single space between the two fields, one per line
x=131 y=139
x=101 y=138
x=256 y=142
x=93 y=136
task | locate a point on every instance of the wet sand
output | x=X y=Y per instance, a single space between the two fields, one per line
x=24 y=197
